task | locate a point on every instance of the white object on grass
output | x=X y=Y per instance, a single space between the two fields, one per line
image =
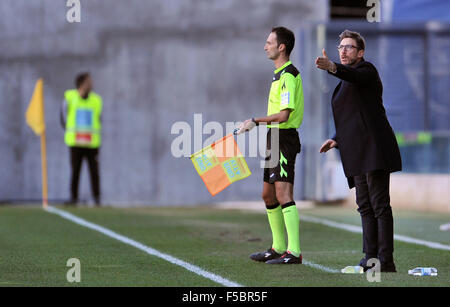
x=423 y=272
x=353 y=270
x=445 y=227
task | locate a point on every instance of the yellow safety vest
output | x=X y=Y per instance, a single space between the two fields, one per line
x=83 y=126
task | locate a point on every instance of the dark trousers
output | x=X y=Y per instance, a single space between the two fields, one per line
x=77 y=154
x=372 y=197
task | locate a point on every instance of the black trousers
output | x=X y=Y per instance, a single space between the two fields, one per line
x=372 y=197
x=77 y=154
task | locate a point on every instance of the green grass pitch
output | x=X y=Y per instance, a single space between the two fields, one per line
x=35 y=246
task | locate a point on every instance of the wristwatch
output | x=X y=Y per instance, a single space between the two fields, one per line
x=253 y=120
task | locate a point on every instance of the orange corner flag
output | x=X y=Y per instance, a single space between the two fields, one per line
x=35 y=119
x=220 y=164
x=35 y=111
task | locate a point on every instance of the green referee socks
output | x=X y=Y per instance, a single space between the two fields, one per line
x=292 y=222
x=276 y=221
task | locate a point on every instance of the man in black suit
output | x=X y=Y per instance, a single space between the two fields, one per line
x=367 y=144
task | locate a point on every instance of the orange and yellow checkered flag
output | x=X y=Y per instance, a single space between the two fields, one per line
x=220 y=164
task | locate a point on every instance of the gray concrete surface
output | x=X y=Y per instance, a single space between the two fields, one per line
x=154 y=63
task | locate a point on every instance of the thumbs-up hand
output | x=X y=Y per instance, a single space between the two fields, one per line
x=324 y=62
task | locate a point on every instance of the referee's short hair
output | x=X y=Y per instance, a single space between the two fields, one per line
x=81 y=77
x=360 y=41
x=286 y=37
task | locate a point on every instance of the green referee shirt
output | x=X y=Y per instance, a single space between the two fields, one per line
x=286 y=92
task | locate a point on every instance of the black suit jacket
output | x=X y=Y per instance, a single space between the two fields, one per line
x=365 y=138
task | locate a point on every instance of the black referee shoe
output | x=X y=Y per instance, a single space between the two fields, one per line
x=286 y=258
x=264 y=256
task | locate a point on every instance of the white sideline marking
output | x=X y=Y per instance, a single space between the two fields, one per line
x=358 y=229
x=320 y=267
x=190 y=267
x=154 y=252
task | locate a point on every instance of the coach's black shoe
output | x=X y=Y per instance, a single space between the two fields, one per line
x=363 y=263
x=388 y=267
x=286 y=258
x=264 y=256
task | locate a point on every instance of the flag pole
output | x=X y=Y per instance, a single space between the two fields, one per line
x=44 y=157
x=44 y=171
x=35 y=118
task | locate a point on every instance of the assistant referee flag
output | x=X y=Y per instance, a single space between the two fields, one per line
x=220 y=164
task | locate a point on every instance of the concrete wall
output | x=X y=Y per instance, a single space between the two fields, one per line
x=423 y=192
x=154 y=63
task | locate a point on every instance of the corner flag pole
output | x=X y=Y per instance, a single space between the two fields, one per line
x=44 y=171
x=44 y=158
x=36 y=120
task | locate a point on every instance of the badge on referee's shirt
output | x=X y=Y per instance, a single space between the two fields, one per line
x=284 y=99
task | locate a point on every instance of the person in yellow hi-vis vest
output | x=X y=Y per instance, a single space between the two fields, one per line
x=81 y=118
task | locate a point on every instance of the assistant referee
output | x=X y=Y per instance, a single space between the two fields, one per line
x=284 y=117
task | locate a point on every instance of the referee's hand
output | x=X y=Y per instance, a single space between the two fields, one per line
x=247 y=125
x=328 y=145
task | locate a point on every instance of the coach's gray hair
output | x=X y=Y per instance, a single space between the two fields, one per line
x=360 y=42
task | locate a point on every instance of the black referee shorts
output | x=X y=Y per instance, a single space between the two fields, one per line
x=289 y=147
